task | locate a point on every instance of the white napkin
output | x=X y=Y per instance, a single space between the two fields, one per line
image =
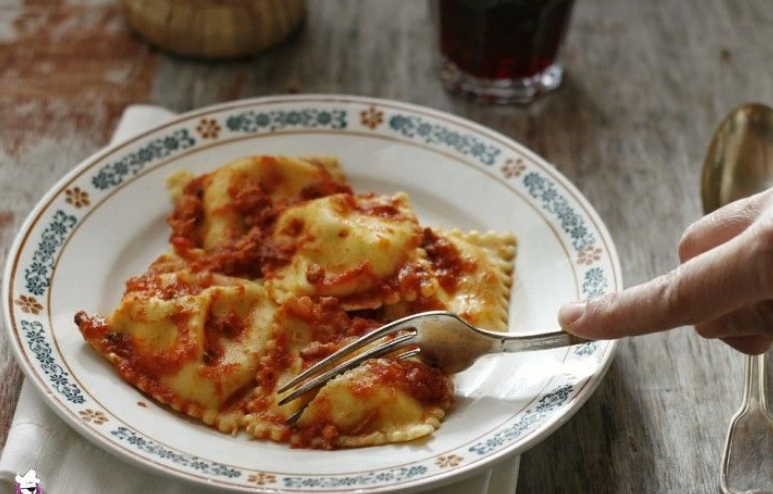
x=66 y=463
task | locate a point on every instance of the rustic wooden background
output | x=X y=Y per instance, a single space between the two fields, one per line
x=648 y=82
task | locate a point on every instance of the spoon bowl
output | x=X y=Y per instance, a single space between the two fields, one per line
x=739 y=161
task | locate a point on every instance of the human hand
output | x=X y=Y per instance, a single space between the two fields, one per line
x=724 y=285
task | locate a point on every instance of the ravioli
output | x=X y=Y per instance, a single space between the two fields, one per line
x=190 y=340
x=274 y=264
x=219 y=207
x=382 y=401
x=344 y=246
x=386 y=400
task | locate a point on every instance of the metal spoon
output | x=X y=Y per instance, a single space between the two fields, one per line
x=739 y=163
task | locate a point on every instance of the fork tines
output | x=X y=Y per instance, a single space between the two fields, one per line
x=310 y=383
x=318 y=381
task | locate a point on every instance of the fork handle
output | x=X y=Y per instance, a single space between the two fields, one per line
x=542 y=341
x=745 y=462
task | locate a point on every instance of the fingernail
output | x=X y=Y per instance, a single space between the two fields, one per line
x=570 y=313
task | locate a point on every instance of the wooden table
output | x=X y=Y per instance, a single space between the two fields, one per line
x=647 y=83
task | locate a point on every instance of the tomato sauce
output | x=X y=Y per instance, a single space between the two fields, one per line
x=276 y=359
x=188 y=213
x=230 y=326
x=92 y=327
x=316 y=275
x=251 y=256
x=218 y=373
x=152 y=285
x=326 y=319
x=320 y=435
x=323 y=188
x=426 y=384
x=164 y=362
x=253 y=203
x=446 y=260
x=371 y=205
x=293 y=228
x=411 y=278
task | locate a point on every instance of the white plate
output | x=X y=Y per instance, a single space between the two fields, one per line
x=104 y=222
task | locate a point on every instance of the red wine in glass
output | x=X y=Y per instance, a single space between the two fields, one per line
x=502 y=50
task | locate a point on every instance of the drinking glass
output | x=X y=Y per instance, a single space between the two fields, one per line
x=502 y=51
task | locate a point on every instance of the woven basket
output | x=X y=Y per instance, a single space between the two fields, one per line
x=215 y=29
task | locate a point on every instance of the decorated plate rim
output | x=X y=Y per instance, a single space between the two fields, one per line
x=566 y=409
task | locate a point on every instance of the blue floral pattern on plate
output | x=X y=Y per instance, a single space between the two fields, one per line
x=545 y=191
x=131 y=164
x=549 y=402
x=35 y=336
x=182 y=459
x=38 y=273
x=366 y=479
x=434 y=133
x=272 y=121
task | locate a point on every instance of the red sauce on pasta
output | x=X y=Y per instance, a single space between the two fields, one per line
x=230 y=326
x=152 y=284
x=140 y=360
x=447 y=262
x=362 y=271
x=426 y=384
x=250 y=256
x=275 y=359
x=323 y=188
x=370 y=205
x=188 y=213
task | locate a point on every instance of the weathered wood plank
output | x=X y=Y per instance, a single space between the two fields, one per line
x=67 y=70
x=10 y=376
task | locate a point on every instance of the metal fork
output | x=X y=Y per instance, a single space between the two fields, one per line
x=442 y=338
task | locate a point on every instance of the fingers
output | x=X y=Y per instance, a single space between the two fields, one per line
x=714 y=283
x=750 y=345
x=756 y=318
x=722 y=225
